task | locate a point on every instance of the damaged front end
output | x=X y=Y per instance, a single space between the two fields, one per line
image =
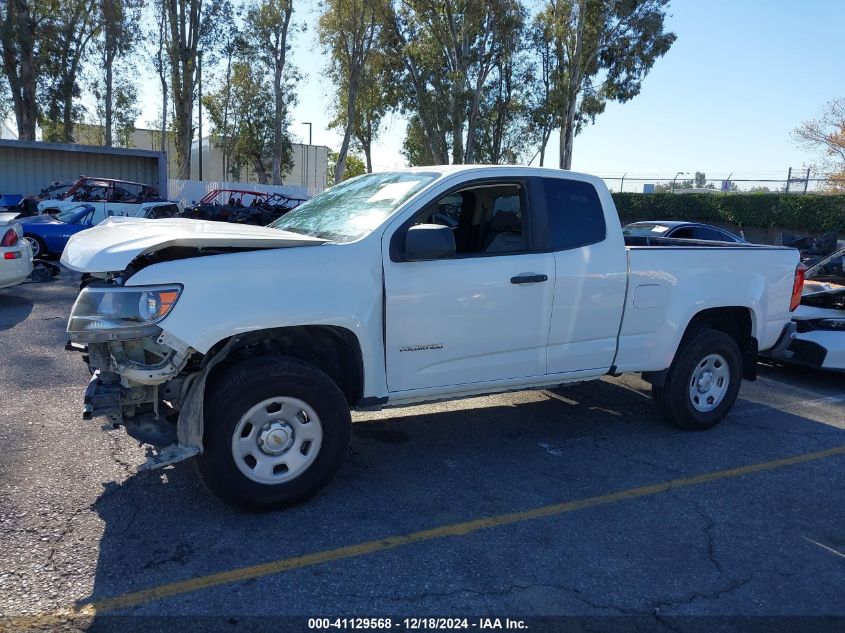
x=143 y=378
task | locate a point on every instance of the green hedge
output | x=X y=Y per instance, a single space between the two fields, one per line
x=805 y=213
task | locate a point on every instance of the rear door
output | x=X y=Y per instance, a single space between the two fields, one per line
x=480 y=316
x=590 y=276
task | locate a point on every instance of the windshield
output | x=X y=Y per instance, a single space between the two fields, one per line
x=72 y=214
x=354 y=208
x=645 y=230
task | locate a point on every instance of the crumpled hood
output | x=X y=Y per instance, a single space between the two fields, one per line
x=114 y=243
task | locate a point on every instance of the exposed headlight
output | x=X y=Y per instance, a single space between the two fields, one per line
x=120 y=312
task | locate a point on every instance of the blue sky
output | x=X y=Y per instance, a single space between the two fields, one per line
x=740 y=77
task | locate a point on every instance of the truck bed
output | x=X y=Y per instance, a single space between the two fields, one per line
x=670 y=280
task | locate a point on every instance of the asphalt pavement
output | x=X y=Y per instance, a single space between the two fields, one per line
x=576 y=501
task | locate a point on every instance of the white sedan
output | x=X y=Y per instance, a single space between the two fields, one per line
x=15 y=256
x=818 y=336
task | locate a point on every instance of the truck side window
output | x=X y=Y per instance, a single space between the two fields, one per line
x=484 y=218
x=575 y=213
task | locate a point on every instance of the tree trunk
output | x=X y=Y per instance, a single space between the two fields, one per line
x=278 y=87
x=278 y=124
x=67 y=111
x=544 y=141
x=573 y=89
x=567 y=137
x=18 y=39
x=110 y=20
x=227 y=152
x=457 y=126
x=109 y=140
x=351 y=98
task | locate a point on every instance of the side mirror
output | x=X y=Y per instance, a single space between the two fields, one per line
x=429 y=241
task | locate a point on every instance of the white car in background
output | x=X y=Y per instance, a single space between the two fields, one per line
x=15 y=256
x=818 y=336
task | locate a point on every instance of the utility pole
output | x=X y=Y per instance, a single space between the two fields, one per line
x=199 y=80
x=788 y=179
x=622 y=184
x=807 y=180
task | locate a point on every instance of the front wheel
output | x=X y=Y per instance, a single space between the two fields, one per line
x=276 y=431
x=703 y=381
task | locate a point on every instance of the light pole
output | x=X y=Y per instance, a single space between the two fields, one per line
x=622 y=184
x=680 y=173
x=199 y=81
x=307 y=151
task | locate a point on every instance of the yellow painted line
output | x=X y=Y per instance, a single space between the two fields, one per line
x=392 y=542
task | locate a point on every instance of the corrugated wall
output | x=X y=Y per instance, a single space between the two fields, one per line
x=26 y=170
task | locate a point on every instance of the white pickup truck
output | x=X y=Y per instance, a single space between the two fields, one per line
x=248 y=346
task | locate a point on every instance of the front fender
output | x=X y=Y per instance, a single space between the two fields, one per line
x=231 y=294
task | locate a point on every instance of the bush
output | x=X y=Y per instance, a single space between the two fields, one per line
x=810 y=213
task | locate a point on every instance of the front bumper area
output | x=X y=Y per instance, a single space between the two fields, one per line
x=102 y=399
x=148 y=410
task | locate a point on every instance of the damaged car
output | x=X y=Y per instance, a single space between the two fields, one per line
x=246 y=347
x=817 y=337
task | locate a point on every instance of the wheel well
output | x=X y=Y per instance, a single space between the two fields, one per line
x=733 y=321
x=335 y=350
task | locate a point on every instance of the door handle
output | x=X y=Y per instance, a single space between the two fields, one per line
x=528 y=279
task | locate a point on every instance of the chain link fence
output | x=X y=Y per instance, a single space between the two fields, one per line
x=797 y=181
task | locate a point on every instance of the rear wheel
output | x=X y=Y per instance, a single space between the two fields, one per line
x=276 y=431
x=703 y=381
x=39 y=249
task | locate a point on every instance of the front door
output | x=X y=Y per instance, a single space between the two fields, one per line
x=480 y=316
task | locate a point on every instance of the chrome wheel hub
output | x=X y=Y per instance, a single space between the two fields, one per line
x=277 y=440
x=709 y=382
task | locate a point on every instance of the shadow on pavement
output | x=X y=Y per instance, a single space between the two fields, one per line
x=416 y=472
x=15 y=309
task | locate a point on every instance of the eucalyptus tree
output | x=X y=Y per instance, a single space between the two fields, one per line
x=192 y=29
x=349 y=30
x=118 y=39
x=450 y=48
x=603 y=49
x=22 y=22
x=68 y=30
x=270 y=24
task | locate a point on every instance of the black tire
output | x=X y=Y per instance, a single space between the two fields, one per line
x=233 y=391
x=673 y=399
x=42 y=247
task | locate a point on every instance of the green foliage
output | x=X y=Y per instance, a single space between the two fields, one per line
x=457 y=54
x=247 y=129
x=807 y=213
x=601 y=50
x=415 y=149
x=354 y=165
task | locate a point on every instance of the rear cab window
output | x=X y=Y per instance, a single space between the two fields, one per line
x=575 y=213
